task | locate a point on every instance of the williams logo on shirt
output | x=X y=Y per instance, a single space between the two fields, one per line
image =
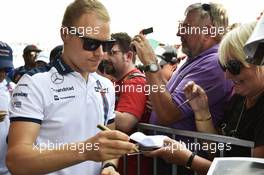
x=101 y=90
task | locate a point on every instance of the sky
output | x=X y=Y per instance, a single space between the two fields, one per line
x=38 y=21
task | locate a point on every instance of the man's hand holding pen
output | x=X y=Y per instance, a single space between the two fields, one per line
x=111 y=144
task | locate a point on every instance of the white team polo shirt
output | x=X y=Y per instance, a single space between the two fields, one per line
x=66 y=106
x=4 y=126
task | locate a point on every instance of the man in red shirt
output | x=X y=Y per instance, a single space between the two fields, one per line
x=131 y=92
x=130 y=84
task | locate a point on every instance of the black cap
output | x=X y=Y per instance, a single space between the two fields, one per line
x=168 y=56
x=6 y=56
x=31 y=48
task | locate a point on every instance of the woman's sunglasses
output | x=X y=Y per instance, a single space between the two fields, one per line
x=91 y=44
x=233 y=66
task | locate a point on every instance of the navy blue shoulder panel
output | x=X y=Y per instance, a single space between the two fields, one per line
x=39 y=70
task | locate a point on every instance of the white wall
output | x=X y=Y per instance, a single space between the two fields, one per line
x=38 y=21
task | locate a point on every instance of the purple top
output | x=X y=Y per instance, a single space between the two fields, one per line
x=205 y=71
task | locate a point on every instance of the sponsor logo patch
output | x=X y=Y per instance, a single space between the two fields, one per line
x=17 y=104
x=57 y=78
x=64 y=89
x=20 y=94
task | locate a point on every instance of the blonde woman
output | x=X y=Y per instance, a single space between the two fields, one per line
x=244 y=117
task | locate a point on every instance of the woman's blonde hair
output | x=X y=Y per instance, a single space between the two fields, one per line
x=232 y=44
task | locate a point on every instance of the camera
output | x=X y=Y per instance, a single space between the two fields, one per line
x=147 y=31
x=144 y=32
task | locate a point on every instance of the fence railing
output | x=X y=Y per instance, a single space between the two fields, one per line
x=143 y=127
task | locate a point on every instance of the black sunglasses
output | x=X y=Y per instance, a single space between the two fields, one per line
x=233 y=66
x=91 y=44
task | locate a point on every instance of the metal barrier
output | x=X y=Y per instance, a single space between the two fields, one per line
x=190 y=134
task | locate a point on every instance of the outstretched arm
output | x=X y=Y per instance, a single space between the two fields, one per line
x=25 y=158
x=177 y=153
x=159 y=95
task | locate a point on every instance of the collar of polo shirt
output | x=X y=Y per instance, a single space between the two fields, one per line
x=61 y=66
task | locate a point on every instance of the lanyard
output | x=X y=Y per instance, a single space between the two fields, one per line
x=105 y=101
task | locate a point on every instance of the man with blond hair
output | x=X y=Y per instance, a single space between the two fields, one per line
x=55 y=112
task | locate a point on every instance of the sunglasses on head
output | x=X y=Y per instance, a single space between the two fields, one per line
x=91 y=44
x=207 y=8
x=233 y=66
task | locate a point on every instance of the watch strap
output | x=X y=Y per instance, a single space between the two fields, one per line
x=108 y=164
x=190 y=160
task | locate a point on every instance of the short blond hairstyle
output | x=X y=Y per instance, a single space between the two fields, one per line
x=232 y=44
x=79 y=7
x=215 y=12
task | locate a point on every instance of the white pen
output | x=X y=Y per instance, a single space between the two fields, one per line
x=186 y=101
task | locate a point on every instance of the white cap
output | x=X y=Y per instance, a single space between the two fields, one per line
x=255 y=44
x=43 y=56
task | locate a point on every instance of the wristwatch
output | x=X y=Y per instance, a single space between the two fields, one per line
x=108 y=164
x=152 y=67
x=190 y=160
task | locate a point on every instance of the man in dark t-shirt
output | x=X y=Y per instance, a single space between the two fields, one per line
x=29 y=54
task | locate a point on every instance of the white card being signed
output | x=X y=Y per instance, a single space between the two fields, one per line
x=154 y=141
